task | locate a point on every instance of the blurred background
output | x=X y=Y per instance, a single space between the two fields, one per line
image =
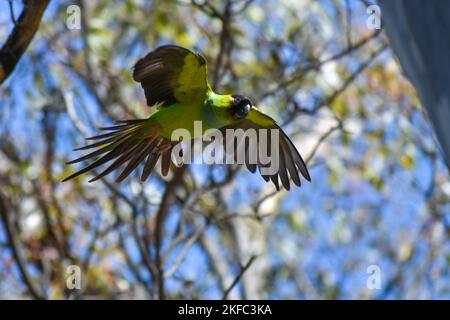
x=374 y=222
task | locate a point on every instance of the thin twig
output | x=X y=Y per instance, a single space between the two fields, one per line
x=159 y=222
x=225 y=44
x=183 y=253
x=13 y=243
x=11 y=12
x=320 y=141
x=315 y=66
x=68 y=99
x=238 y=277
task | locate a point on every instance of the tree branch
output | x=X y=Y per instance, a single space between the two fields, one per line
x=15 y=248
x=21 y=36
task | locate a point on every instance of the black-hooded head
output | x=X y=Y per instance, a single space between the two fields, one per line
x=240 y=107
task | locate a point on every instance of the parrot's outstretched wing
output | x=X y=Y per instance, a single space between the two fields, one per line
x=131 y=142
x=289 y=160
x=134 y=141
x=172 y=74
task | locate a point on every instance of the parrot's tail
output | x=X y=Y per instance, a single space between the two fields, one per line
x=131 y=141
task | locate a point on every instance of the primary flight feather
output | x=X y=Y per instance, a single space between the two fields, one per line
x=175 y=79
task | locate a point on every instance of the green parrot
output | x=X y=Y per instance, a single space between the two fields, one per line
x=174 y=80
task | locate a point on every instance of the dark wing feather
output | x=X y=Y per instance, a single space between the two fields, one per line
x=172 y=74
x=290 y=162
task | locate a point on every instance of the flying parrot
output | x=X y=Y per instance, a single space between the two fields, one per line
x=175 y=80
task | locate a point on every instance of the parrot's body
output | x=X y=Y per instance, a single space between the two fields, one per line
x=175 y=80
x=212 y=112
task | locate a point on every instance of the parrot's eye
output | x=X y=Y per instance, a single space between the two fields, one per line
x=241 y=107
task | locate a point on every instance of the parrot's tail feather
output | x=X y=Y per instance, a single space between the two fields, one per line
x=116 y=127
x=131 y=142
x=131 y=121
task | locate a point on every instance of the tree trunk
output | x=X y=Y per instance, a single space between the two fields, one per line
x=419 y=33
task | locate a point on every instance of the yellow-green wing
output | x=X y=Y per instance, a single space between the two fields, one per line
x=172 y=74
x=290 y=162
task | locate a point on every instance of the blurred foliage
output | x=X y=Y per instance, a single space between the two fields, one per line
x=380 y=191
